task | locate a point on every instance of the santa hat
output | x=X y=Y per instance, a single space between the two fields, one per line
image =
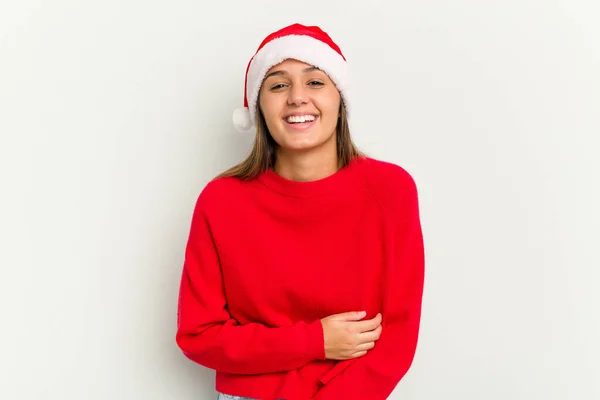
x=308 y=44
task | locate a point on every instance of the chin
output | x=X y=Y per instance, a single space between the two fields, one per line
x=302 y=141
x=300 y=146
x=303 y=146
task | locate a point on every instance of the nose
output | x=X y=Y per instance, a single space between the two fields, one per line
x=297 y=95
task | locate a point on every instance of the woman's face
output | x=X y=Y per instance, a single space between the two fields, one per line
x=300 y=105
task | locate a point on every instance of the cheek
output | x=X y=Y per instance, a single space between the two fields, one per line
x=331 y=107
x=269 y=108
x=332 y=98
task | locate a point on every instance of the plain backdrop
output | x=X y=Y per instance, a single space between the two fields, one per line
x=115 y=114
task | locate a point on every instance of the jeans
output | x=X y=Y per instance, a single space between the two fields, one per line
x=223 y=396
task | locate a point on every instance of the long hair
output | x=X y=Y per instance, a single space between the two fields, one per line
x=262 y=155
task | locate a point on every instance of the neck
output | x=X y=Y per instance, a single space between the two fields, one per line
x=306 y=166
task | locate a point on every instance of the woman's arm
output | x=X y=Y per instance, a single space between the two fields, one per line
x=375 y=375
x=208 y=335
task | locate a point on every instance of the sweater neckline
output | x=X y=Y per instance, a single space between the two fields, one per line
x=304 y=189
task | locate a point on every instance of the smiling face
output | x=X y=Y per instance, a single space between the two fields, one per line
x=300 y=105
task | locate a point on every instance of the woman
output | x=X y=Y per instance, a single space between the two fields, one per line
x=303 y=271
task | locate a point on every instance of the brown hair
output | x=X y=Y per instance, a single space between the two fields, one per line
x=262 y=155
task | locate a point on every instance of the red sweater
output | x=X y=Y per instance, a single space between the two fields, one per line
x=268 y=258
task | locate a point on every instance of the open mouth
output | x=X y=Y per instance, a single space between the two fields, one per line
x=300 y=122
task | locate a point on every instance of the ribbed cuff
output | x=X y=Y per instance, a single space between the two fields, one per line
x=316 y=341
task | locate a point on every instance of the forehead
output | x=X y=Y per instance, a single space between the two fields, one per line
x=291 y=66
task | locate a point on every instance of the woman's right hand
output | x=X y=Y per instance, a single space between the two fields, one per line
x=347 y=337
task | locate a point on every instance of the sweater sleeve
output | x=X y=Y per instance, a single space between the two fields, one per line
x=208 y=335
x=375 y=375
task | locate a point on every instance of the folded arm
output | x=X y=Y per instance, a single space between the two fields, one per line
x=375 y=375
x=208 y=335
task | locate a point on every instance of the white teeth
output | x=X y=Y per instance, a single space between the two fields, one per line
x=300 y=119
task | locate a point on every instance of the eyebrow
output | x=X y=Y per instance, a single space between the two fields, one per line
x=284 y=72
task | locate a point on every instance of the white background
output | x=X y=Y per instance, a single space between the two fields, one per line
x=115 y=114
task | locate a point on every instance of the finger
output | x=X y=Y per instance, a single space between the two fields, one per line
x=367 y=325
x=370 y=336
x=370 y=324
x=365 y=346
x=350 y=316
x=358 y=354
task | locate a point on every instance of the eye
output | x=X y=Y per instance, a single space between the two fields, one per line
x=278 y=86
x=315 y=83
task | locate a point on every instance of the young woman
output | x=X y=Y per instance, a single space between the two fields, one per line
x=303 y=271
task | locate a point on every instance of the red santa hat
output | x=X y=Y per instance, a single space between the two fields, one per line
x=308 y=44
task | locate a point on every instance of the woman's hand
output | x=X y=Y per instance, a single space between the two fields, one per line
x=347 y=337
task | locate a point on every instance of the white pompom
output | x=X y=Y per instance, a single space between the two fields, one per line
x=241 y=119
